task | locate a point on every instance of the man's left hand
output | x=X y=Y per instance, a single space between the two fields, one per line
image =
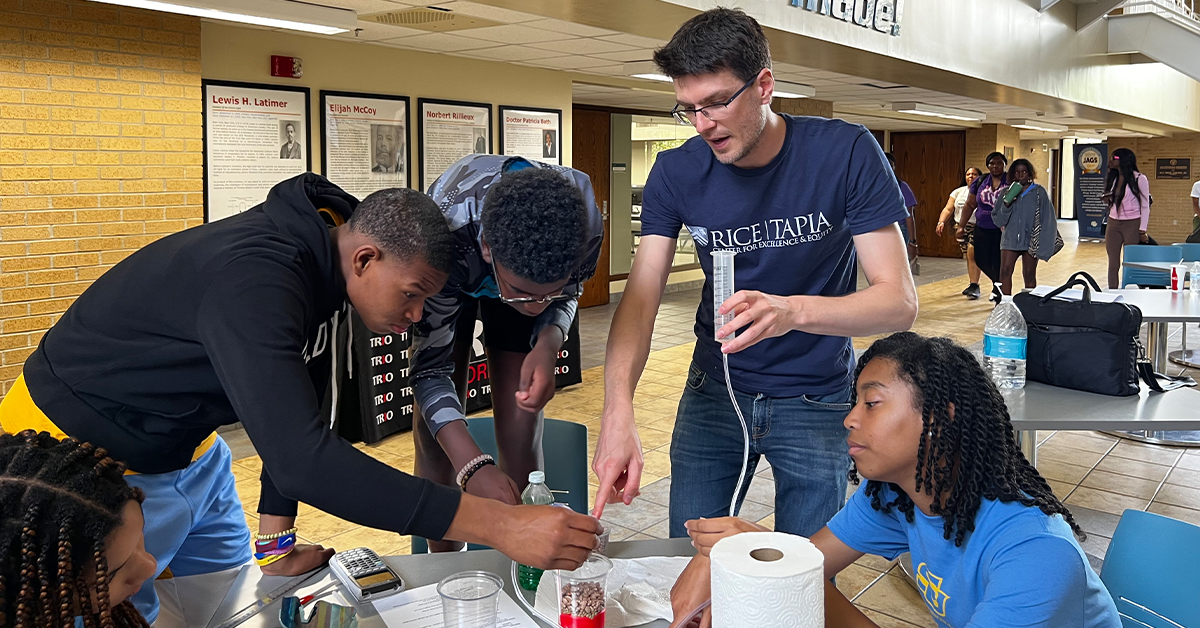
x=767 y=315
x=537 y=371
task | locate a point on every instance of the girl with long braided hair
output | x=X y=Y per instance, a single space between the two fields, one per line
x=70 y=536
x=991 y=545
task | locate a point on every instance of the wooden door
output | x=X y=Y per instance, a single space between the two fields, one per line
x=590 y=131
x=932 y=164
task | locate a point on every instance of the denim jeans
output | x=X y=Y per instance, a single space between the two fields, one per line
x=802 y=437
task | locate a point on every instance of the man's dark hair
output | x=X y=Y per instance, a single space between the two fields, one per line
x=965 y=458
x=718 y=39
x=891 y=158
x=407 y=224
x=535 y=222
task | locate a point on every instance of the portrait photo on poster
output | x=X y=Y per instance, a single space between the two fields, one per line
x=532 y=133
x=387 y=148
x=481 y=141
x=288 y=139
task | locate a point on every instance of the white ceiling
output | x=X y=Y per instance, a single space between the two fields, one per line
x=531 y=40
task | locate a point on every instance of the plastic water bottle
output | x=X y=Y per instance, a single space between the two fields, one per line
x=1194 y=278
x=537 y=494
x=1004 y=338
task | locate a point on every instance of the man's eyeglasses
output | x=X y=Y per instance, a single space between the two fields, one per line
x=718 y=111
x=550 y=298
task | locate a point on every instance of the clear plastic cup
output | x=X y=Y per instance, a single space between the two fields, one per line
x=582 y=593
x=470 y=599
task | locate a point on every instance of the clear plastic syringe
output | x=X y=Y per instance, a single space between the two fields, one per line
x=722 y=289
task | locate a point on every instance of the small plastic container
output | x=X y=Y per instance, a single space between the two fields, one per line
x=470 y=599
x=582 y=593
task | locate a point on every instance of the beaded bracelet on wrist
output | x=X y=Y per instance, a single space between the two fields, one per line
x=276 y=535
x=473 y=469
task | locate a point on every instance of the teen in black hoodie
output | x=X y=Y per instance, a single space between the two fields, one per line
x=233 y=320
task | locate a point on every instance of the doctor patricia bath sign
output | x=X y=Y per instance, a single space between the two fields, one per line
x=879 y=15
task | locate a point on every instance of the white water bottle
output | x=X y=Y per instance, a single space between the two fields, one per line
x=1004 y=338
x=1194 y=278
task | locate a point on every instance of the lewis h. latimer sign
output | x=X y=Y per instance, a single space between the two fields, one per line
x=880 y=15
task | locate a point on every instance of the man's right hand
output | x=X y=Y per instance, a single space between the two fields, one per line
x=618 y=461
x=492 y=483
x=547 y=537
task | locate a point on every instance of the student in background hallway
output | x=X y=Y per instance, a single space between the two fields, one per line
x=1027 y=215
x=908 y=226
x=1127 y=194
x=966 y=242
x=979 y=206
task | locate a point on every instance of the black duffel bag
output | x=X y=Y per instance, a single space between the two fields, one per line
x=1086 y=345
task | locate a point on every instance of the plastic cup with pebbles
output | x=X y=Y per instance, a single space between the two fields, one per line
x=581 y=593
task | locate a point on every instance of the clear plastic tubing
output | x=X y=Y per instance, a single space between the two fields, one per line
x=722 y=289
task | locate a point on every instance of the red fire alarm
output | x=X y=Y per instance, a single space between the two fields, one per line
x=286 y=67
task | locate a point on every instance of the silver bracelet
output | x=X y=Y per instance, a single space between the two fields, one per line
x=467 y=467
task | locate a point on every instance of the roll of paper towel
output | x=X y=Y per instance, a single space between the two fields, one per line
x=767 y=579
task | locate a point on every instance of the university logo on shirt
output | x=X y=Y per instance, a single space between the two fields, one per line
x=769 y=233
x=930 y=587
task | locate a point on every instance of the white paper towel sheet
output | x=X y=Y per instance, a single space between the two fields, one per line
x=767 y=579
x=639 y=590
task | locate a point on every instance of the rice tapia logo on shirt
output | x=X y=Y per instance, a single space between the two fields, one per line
x=931 y=589
x=770 y=233
x=699 y=234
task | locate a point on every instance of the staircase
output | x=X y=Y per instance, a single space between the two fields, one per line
x=1167 y=31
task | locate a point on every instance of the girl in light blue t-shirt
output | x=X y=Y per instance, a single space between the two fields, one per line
x=991 y=545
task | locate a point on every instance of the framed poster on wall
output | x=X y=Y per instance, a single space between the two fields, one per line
x=531 y=133
x=365 y=140
x=449 y=130
x=255 y=135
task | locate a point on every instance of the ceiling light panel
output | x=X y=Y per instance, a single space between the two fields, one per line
x=282 y=14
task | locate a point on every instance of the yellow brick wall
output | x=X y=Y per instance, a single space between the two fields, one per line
x=803 y=107
x=1171 y=215
x=100 y=151
x=980 y=142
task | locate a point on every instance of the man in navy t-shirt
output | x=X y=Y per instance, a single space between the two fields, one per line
x=801 y=201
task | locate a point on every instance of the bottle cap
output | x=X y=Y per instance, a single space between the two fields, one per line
x=537 y=477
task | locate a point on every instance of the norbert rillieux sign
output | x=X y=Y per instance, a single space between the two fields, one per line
x=879 y=15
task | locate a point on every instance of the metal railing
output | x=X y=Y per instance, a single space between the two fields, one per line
x=1180 y=11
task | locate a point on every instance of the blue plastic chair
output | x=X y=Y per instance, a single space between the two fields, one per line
x=1152 y=571
x=1147 y=253
x=564 y=451
x=1191 y=252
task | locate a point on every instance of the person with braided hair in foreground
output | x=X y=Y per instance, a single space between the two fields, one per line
x=991 y=544
x=71 y=541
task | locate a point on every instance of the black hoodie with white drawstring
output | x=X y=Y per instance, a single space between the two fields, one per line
x=232 y=320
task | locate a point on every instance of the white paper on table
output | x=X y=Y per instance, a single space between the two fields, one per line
x=639 y=590
x=422 y=608
x=1076 y=294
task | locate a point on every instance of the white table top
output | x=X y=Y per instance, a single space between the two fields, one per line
x=1040 y=406
x=417 y=571
x=1163 y=306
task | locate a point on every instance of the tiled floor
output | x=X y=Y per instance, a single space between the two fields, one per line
x=1097 y=476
